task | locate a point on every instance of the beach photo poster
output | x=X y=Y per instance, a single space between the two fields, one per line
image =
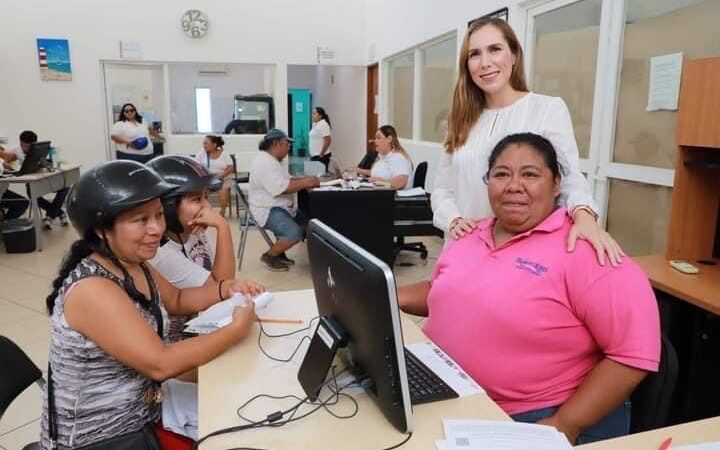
x=54 y=59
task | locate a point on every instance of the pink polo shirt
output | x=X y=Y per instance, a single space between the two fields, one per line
x=528 y=321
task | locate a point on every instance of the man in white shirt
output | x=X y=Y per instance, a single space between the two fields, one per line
x=271 y=196
x=53 y=209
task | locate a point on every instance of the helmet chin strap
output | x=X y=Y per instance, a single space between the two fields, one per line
x=127 y=282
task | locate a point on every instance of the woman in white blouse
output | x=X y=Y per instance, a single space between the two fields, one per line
x=320 y=136
x=218 y=163
x=491 y=101
x=393 y=164
x=131 y=136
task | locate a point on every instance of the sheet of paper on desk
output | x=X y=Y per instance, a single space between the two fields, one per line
x=414 y=192
x=447 y=369
x=216 y=316
x=335 y=182
x=441 y=445
x=502 y=435
x=706 y=446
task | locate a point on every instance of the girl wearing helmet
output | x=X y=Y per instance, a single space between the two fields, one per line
x=185 y=257
x=109 y=313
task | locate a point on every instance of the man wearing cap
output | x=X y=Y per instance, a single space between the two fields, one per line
x=271 y=198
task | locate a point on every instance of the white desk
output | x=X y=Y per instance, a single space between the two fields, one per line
x=40 y=184
x=698 y=432
x=242 y=372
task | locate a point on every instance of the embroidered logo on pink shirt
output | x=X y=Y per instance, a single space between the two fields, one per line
x=531 y=266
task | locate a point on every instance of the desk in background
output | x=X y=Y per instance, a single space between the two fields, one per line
x=40 y=184
x=243 y=372
x=690 y=318
x=365 y=216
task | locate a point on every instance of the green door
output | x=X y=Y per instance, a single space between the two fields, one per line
x=300 y=109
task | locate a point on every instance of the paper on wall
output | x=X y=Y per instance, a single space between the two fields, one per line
x=664 y=86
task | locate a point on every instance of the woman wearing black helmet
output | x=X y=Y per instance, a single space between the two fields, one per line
x=185 y=256
x=109 y=313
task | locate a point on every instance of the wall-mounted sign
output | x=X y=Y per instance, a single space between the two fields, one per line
x=325 y=54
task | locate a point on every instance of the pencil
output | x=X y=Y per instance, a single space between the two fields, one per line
x=666 y=444
x=276 y=320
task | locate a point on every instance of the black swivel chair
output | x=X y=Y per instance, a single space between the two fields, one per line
x=413 y=217
x=17 y=373
x=652 y=399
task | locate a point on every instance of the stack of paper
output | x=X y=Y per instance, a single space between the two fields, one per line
x=500 y=435
x=220 y=314
x=414 y=192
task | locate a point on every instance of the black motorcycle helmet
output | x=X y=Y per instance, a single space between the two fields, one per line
x=106 y=191
x=189 y=176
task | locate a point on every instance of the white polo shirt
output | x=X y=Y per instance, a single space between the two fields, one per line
x=268 y=181
x=391 y=165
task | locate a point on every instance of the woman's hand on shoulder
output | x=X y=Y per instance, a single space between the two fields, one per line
x=461 y=227
x=586 y=227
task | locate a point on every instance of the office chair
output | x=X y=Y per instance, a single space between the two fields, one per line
x=413 y=217
x=652 y=399
x=244 y=224
x=17 y=373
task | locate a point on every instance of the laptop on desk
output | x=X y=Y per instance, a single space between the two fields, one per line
x=35 y=159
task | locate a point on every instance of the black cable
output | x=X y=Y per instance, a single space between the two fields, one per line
x=297 y=348
x=270 y=420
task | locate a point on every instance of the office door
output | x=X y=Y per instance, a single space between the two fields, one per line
x=372 y=103
x=299 y=120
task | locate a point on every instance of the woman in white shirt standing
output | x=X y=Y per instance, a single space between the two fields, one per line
x=491 y=101
x=219 y=164
x=131 y=136
x=320 y=136
x=393 y=164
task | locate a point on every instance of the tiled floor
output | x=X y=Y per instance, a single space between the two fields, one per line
x=25 y=281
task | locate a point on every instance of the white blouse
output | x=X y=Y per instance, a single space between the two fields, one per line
x=459 y=189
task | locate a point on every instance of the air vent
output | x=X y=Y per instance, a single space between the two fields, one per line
x=213 y=71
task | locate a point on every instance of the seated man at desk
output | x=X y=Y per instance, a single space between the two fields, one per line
x=552 y=336
x=271 y=198
x=53 y=209
x=393 y=164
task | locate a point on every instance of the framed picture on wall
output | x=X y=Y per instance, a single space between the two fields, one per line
x=500 y=14
x=54 y=59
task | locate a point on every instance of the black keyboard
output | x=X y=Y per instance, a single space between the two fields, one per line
x=425 y=385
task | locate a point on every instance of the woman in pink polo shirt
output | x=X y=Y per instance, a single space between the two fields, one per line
x=552 y=336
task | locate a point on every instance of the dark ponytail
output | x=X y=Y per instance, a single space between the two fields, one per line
x=80 y=249
x=217 y=140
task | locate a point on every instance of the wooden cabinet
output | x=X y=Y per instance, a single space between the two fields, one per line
x=694 y=221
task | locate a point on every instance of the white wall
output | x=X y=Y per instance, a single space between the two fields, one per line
x=238 y=79
x=341 y=90
x=72 y=113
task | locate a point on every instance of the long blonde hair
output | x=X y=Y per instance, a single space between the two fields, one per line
x=468 y=100
x=395 y=146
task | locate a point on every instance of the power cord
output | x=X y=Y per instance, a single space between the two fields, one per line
x=273 y=419
x=297 y=348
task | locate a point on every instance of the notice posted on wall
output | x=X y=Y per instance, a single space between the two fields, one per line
x=664 y=90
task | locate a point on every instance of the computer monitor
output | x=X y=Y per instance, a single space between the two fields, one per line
x=357 y=291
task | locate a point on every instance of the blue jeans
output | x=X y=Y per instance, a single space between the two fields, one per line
x=615 y=424
x=286 y=227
